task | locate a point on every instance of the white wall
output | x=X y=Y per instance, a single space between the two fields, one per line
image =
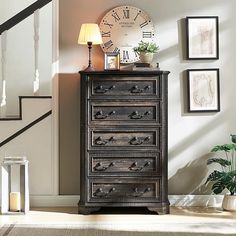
x=191 y=136
x=20 y=52
x=35 y=143
x=11 y=7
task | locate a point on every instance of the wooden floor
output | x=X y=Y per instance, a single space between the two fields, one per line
x=180 y=219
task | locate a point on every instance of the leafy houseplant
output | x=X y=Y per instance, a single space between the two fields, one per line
x=146 y=50
x=226 y=177
x=146 y=47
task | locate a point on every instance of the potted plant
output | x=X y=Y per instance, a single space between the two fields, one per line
x=146 y=51
x=225 y=179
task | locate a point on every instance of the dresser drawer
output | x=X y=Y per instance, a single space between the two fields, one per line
x=125 y=138
x=124 y=190
x=145 y=112
x=127 y=163
x=136 y=86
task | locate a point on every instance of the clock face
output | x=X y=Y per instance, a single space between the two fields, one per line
x=122 y=28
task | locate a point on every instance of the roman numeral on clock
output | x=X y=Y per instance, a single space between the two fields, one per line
x=126 y=14
x=144 y=24
x=125 y=55
x=137 y=16
x=136 y=54
x=108 y=44
x=147 y=34
x=106 y=34
x=116 y=50
x=108 y=24
x=116 y=16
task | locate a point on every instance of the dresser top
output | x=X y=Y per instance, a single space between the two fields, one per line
x=124 y=72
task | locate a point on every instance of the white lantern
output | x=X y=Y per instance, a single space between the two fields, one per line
x=15 y=202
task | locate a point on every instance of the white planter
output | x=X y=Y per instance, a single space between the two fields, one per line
x=146 y=57
x=229 y=203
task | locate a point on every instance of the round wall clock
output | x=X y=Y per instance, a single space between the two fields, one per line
x=122 y=28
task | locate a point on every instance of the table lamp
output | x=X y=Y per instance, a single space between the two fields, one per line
x=90 y=35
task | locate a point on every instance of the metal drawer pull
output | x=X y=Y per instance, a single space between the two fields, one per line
x=99 y=167
x=138 y=193
x=136 y=89
x=100 y=141
x=139 y=141
x=135 y=115
x=100 y=115
x=134 y=167
x=100 y=193
x=100 y=89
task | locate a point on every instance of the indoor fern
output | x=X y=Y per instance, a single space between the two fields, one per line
x=226 y=177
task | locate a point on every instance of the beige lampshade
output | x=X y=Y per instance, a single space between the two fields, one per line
x=89 y=33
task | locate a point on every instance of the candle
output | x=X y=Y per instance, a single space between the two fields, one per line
x=15 y=201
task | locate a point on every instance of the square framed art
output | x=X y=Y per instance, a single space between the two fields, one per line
x=203 y=90
x=112 y=61
x=202 y=37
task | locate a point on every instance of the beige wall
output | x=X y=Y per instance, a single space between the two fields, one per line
x=69 y=101
x=190 y=136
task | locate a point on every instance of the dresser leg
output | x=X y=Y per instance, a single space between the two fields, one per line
x=87 y=210
x=160 y=211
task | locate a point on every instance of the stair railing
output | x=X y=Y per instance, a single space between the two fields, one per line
x=32 y=9
x=3 y=101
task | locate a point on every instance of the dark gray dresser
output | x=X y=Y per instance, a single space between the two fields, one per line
x=123 y=140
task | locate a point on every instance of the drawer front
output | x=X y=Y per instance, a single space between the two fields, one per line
x=148 y=138
x=136 y=86
x=126 y=190
x=123 y=111
x=124 y=164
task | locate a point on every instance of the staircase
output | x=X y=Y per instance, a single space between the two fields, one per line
x=31 y=135
x=32 y=110
x=26 y=58
x=27 y=128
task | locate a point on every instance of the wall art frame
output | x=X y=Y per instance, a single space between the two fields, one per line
x=111 y=61
x=202 y=35
x=203 y=90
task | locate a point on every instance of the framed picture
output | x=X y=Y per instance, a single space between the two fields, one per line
x=112 y=61
x=202 y=37
x=203 y=90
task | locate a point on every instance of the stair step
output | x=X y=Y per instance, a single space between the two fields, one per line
x=19 y=116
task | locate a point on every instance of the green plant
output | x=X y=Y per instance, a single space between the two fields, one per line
x=226 y=177
x=146 y=47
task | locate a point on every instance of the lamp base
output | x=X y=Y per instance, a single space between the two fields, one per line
x=89 y=68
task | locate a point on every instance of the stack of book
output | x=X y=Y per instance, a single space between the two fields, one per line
x=145 y=66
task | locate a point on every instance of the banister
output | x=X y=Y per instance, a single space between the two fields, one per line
x=25 y=128
x=22 y=15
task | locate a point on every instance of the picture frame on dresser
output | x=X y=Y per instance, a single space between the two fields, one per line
x=111 y=61
x=203 y=90
x=202 y=37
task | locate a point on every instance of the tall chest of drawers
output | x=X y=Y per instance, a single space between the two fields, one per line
x=123 y=140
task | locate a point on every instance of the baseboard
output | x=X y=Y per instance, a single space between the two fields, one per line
x=54 y=201
x=175 y=200
x=196 y=200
